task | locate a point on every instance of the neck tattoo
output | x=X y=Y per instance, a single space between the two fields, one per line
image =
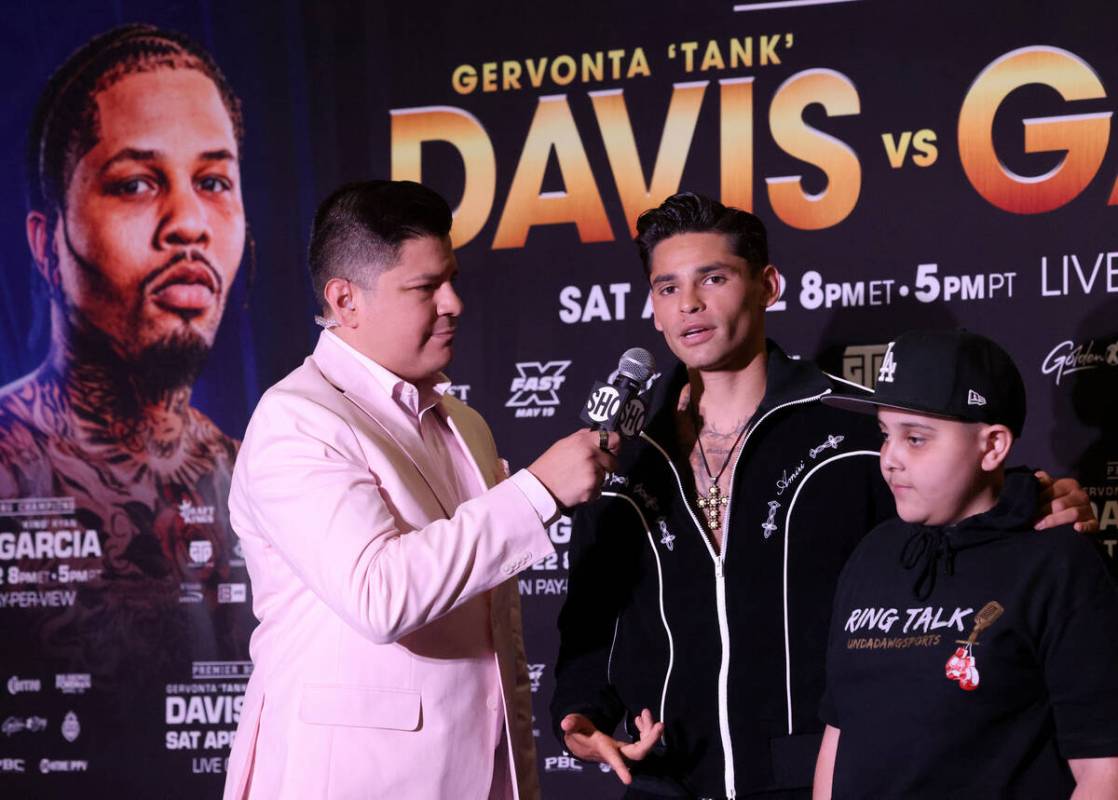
x=715 y=501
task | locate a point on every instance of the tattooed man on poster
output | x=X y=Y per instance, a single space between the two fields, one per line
x=116 y=485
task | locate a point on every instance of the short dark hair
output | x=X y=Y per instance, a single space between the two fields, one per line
x=65 y=125
x=359 y=229
x=693 y=213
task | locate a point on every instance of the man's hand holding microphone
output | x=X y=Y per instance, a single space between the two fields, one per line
x=573 y=468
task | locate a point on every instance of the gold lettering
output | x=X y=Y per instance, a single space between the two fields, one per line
x=464 y=79
x=621 y=147
x=553 y=128
x=411 y=127
x=839 y=97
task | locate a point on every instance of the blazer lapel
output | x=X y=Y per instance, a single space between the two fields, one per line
x=470 y=447
x=361 y=389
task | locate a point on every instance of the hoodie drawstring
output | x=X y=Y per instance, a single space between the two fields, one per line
x=925 y=548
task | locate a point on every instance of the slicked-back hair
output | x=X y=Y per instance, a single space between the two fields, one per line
x=66 y=125
x=359 y=229
x=693 y=213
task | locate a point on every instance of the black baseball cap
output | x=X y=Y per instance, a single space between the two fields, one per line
x=954 y=374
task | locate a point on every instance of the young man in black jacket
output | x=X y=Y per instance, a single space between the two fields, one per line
x=701 y=582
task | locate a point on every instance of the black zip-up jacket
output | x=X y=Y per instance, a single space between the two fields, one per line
x=727 y=649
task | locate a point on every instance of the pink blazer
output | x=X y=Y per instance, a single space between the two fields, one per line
x=367 y=682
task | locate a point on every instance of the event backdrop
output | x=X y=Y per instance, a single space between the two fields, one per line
x=947 y=164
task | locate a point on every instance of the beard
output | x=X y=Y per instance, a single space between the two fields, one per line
x=123 y=380
x=170 y=363
x=165 y=365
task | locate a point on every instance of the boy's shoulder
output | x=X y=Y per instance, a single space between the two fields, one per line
x=1063 y=546
x=878 y=549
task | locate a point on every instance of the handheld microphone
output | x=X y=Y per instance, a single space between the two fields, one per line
x=617 y=405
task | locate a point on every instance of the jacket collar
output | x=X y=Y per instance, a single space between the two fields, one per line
x=790 y=379
x=415 y=398
x=367 y=391
x=787 y=380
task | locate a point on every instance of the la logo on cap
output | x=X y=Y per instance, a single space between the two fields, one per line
x=974 y=398
x=888 y=366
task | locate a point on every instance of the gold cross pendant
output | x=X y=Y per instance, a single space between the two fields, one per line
x=712 y=506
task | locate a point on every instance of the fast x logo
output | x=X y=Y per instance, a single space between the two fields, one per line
x=537 y=384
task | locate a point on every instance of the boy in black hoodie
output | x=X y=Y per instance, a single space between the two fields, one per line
x=968 y=657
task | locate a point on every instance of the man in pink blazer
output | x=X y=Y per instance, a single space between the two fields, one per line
x=381 y=532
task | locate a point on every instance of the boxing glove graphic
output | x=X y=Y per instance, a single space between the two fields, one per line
x=956 y=665
x=969 y=681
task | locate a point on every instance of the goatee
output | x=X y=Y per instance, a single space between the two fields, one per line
x=171 y=363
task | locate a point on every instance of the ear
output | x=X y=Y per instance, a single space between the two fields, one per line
x=995 y=441
x=770 y=281
x=343 y=299
x=39 y=240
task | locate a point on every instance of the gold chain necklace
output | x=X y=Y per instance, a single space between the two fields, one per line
x=715 y=501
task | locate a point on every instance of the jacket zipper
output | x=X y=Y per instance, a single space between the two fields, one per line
x=720 y=586
x=724 y=675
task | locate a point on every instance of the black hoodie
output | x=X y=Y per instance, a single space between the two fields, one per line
x=972 y=660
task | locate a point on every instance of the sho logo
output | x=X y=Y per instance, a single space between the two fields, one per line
x=535 y=390
x=535 y=673
x=190 y=593
x=860 y=363
x=602 y=404
x=71 y=728
x=231 y=593
x=631 y=420
x=201 y=551
x=18 y=685
x=196 y=515
x=562 y=763
x=73 y=683
x=888 y=366
x=13 y=725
